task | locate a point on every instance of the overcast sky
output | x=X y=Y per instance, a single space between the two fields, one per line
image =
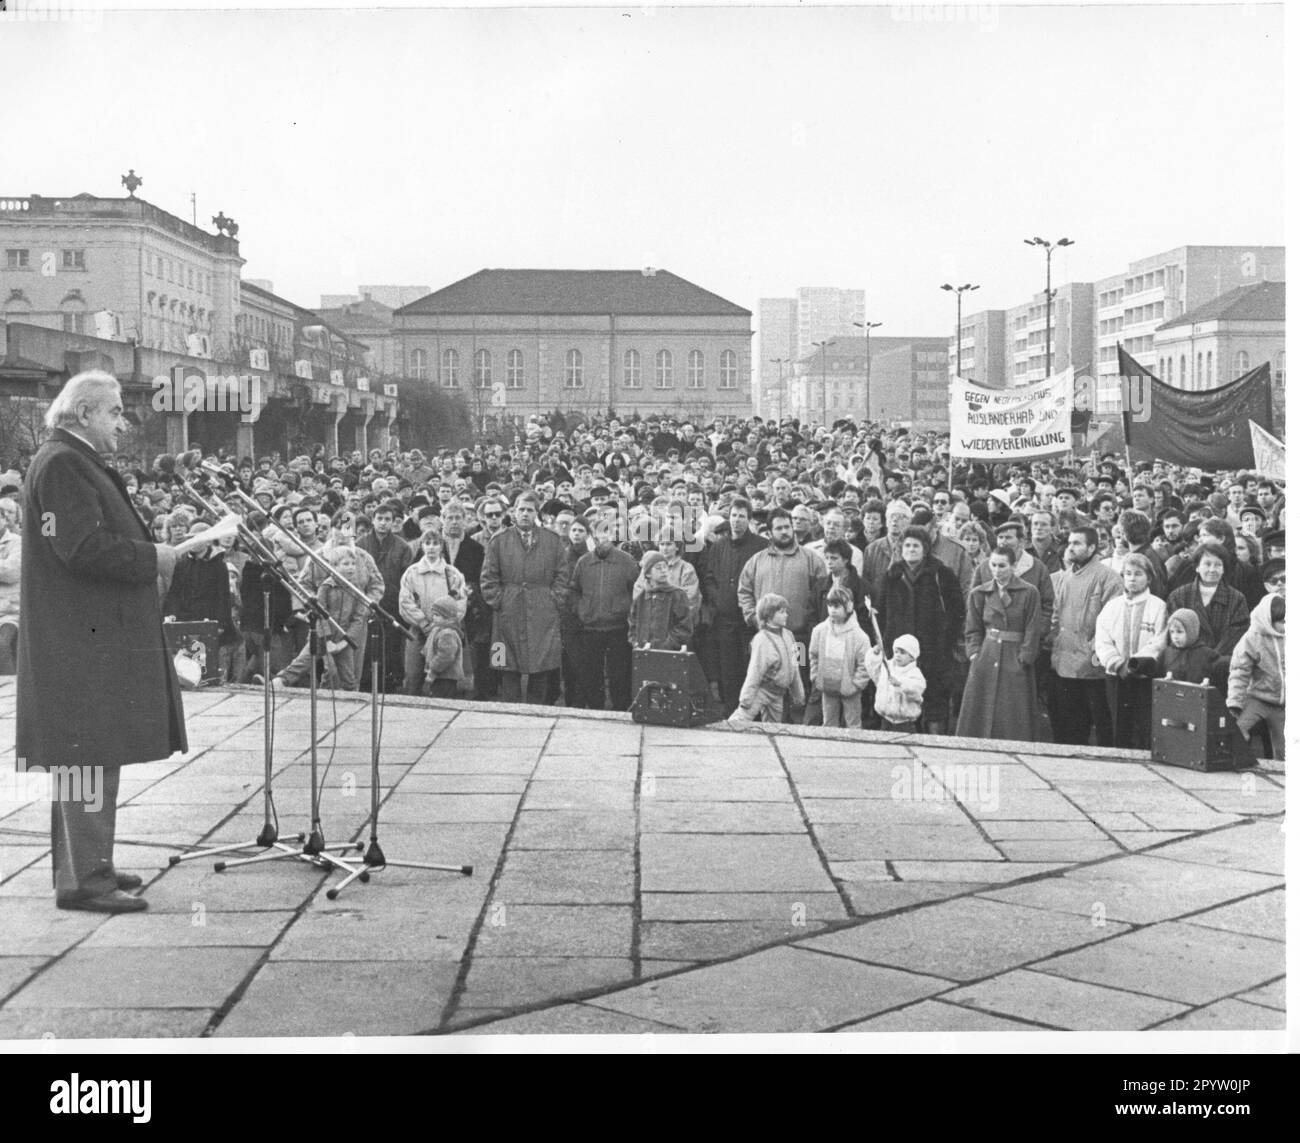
x=750 y=150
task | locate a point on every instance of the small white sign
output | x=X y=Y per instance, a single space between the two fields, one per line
x=363 y=383
x=302 y=369
x=259 y=359
x=390 y=390
x=336 y=376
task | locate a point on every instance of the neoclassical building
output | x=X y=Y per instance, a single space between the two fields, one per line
x=518 y=342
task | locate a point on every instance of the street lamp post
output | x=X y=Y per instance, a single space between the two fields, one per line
x=958 y=290
x=824 y=346
x=867 y=327
x=1047 y=332
x=780 y=363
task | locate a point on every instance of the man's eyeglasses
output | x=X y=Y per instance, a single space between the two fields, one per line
x=1276 y=581
x=492 y=515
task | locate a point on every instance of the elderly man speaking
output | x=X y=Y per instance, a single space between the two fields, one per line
x=96 y=687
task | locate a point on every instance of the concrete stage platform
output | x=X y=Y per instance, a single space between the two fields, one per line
x=635 y=879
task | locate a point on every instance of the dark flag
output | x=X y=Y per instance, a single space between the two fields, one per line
x=1204 y=428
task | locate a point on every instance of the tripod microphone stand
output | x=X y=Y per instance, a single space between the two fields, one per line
x=380 y=619
x=310 y=848
x=374 y=860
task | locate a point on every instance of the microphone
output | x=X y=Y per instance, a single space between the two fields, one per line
x=165 y=466
x=212 y=468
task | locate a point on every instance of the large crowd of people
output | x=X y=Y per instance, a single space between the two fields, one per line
x=854 y=575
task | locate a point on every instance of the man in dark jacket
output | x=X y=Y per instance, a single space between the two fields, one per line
x=392 y=556
x=96 y=686
x=465 y=554
x=727 y=641
x=601 y=594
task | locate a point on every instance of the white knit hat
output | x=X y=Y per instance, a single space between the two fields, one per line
x=909 y=644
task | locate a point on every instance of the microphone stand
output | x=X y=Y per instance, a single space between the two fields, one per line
x=309 y=848
x=374 y=860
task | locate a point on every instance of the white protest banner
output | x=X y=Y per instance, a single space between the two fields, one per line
x=1270 y=453
x=1006 y=424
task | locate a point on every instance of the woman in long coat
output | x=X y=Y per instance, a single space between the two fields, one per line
x=1003 y=629
x=1222 y=610
x=524 y=584
x=922 y=598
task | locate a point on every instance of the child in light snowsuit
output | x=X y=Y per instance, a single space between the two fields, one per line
x=773 y=666
x=443 y=649
x=1257 y=676
x=837 y=661
x=900 y=686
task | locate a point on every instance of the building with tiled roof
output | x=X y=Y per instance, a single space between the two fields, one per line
x=1219 y=340
x=518 y=342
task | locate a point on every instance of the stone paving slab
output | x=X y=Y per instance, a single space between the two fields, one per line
x=198 y=929
x=612 y=859
x=720 y=817
x=557 y=931
x=571 y=1020
x=939 y=842
x=15 y=970
x=732 y=862
x=939 y=1016
x=1062 y=1003
x=1226 y=1016
x=103 y=1023
x=1263 y=915
x=340 y=998
x=782 y=990
x=715 y=940
x=1138 y=889
x=566 y=877
x=138 y=978
x=565 y=829
x=963 y=940
x=517 y=982
x=1187 y=963
x=786 y=907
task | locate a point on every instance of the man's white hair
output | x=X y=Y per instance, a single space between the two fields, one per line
x=92 y=388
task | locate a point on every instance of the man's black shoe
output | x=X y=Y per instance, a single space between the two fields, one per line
x=113 y=902
x=128 y=880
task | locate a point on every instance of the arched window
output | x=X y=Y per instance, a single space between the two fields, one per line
x=515 y=369
x=728 y=369
x=573 y=369
x=483 y=369
x=1241 y=363
x=695 y=369
x=663 y=370
x=450 y=369
x=420 y=364
x=1200 y=370
x=1182 y=371
x=1209 y=369
x=73 y=312
x=632 y=369
x=17 y=304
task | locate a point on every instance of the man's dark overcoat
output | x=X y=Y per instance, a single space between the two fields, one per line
x=96 y=685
